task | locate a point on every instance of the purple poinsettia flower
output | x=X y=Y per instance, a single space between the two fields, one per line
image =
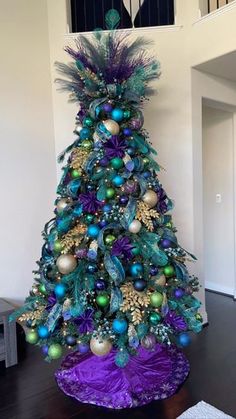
x=89 y=202
x=161 y=204
x=51 y=301
x=176 y=321
x=115 y=147
x=85 y=321
x=123 y=247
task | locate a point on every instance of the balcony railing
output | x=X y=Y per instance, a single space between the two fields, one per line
x=208 y=6
x=87 y=15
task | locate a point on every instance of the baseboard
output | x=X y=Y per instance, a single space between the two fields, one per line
x=212 y=286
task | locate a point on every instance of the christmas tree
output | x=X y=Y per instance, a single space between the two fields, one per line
x=112 y=283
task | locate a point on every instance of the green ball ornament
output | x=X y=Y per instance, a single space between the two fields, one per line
x=102 y=300
x=199 y=317
x=145 y=161
x=87 y=144
x=110 y=193
x=156 y=299
x=109 y=239
x=55 y=351
x=75 y=174
x=117 y=163
x=32 y=337
x=89 y=218
x=154 y=318
x=42 y=289
x=57 y=246
x=169 y=271
x=88 y=122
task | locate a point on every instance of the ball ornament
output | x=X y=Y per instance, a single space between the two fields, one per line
x=55 y=351
x=60 y=290
x=150 y=198
x=119 y=326
x=117 y=114
x=43 y=332
x=135 y=226
x=156 y=299
x=112 y=126
x=66 y=264
x=169 y=271
x=32 y=337
x=102 y=300
x=100 y=346
x=184 y=339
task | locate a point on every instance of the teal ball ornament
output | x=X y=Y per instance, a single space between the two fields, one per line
x=154 y=318
x=117 y=114
x=60 y=290
x=88 y=122
x=85 y=133
x=184 y=339
x=118 y=180
x=93 y=231
x=55 y=351
x=136 y=269
x=119 y=326
x=43 y=332
x=117 y=163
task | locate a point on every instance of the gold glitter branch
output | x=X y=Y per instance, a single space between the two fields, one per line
x=79 y=157
x=134 y=301
x=32 y=315
x=73 y=238
x=145 y=214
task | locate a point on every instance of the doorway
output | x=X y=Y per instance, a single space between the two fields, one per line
x=218 y=198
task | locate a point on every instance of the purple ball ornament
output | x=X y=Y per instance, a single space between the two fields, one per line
x=123 y=200
x=100 y=285
x=45 y=349
x=104 y=161
x=107 y=107
x=179 y=293
x=153 y=270
x=137 y=121
x=127 y=132
x=91 y=268
x=166 y=243
x=130 y=187
x=102 y=223
x=83 y=348
x=149 y=341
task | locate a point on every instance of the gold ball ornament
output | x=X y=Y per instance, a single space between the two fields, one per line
x=112 y=126
x=62 y=204
x=150 y=198
x=135 y=226
x=66 y=264
x=100 y=346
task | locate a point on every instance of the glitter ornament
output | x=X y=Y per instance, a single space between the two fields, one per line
x=32 y=337
x=55 y=351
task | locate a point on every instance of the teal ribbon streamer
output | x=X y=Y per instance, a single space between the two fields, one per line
x=115 y=269
x=129 y=213
x=116 y=300
x=53 y=317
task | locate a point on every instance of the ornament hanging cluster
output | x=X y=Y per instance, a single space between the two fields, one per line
x=112 y=274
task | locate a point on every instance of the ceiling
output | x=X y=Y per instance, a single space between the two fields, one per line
x=223 y=66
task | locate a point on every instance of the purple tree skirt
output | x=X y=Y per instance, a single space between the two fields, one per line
x=150 y=375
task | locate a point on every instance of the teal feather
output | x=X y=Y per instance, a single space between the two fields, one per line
x=112 y=19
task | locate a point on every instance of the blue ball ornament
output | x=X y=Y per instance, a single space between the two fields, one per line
x=84 y=133
x=166 y=243
x=93 y=230
x=43 y=332
x=184 y=339
x=92 y=268
x=136 y=269
x=102 y=223
x=71 y=340
x=130 y=151
x=107 y=208
x=107 y=107
x=153 y=270
x=119 y=326
x=60 y=290
x=118 y=180
x=147 y=174
x=45 y=349
x=83 y=348
x=179 y=293
x=127 y=132
x=104 y=161
x=117 y=114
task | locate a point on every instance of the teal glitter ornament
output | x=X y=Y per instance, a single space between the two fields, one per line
x=88 y=121
x=122 y=358
x=85 y=134
x=117 y=114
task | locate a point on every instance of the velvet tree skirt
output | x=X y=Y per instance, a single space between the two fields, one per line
x=150 y=375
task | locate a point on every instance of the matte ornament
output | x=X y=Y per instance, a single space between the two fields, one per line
x=100 y=346
x=60 y=290
x=32 y=337
x=136 y=269
x=149 y=341
x=102 y=300
x=55 y=351
x=184 y=339
x=43 y=332
x=57 y=246
x=71 y=340
x=107 y=107
x=45 y=350
x=135 y=226
x=161 y=281
x=166 y=243
x=112 y=126
x=117 y=163
x=104 y=162
x=179 y=293
x=156 y=299
x=169 y=271
x=118 y=180
x=117 y=114
x=140 y=285
x=93 y=230
x=119 y=326
x=110 y=193
x=154 y=318
x=66 y=264
x=150 y=198
x=127 y=132
x=83 y=348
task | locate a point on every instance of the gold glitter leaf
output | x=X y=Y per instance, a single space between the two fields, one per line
x=145 y=215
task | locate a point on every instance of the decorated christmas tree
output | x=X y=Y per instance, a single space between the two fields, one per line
x=112 y=284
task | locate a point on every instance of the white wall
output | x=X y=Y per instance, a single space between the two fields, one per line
x=218 y=215
x=27 y=141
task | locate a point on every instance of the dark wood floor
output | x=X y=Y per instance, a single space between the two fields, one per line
x=28 y=390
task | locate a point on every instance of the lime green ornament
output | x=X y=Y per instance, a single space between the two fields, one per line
x=55 y=351
x=154 y=318
x=75 y=174
x=169 y=271
x=156 y=299
x=32 y=337
x=117 y=163
x=102 y=300
x=88 y=122
x=87 y=144
x=89 y=218
x=57 y=246
x=109 y=239
x=145 y=161
x=110 y=193
x=42 y=289
x=198 y=317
